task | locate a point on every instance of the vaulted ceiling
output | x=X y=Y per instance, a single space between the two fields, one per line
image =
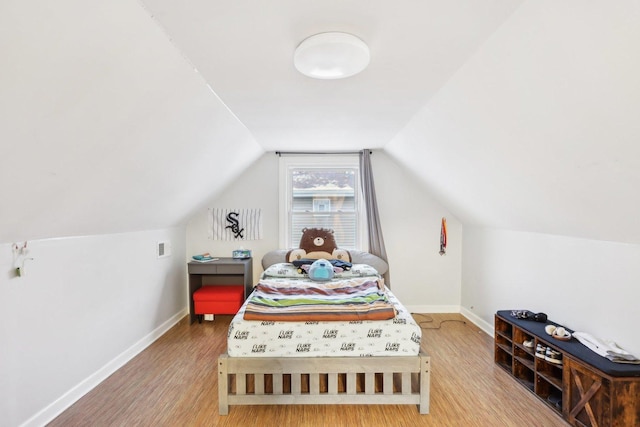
x=513 y=114
x=244 y=50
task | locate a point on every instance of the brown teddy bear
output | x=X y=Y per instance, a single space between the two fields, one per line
x=318 y=243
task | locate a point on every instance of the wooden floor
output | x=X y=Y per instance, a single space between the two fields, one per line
x=174 y=383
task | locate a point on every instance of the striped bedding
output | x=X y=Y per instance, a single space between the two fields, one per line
x=346 y=300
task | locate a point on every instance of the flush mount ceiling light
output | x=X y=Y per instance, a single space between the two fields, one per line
x=331 y=56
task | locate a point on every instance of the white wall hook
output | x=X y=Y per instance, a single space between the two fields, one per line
x=20 y=252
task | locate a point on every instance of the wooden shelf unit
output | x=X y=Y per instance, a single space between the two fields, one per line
x=588 y=395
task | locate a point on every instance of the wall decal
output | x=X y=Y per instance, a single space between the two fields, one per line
x=235 y=224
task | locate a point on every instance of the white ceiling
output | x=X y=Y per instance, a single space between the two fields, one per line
x=513 y=114
x=244 y=50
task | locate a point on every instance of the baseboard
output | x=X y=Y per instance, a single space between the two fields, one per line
x=70 y=397
x=433 y=308
x=480 y=323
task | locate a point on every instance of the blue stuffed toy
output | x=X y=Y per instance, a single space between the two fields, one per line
x=321 y=270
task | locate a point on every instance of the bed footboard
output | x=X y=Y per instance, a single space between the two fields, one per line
x=323 y=380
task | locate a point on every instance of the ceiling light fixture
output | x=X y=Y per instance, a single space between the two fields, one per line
x=331 y=55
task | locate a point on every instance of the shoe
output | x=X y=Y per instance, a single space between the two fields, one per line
x=555 y=400
x=541 y=351
x=553 y=356
x=528 y=343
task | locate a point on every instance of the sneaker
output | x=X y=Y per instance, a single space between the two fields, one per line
x=553 y=356
x=541 y=351
x=528 y=343
x=555 y=400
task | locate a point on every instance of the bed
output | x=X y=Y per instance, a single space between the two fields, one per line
x=276 y=362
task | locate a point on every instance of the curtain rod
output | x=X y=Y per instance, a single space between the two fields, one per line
x=285 y=153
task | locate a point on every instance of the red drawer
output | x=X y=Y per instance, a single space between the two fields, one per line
x=218 y=299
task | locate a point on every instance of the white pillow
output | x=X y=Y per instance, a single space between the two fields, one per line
x=357 y=257
x=285 y=269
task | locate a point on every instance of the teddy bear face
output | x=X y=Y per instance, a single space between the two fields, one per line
x=317 y=243
x=318 y=240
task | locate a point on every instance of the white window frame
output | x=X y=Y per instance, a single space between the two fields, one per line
x=288 y=162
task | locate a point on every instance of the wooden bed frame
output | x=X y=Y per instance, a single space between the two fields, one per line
x=324 y=381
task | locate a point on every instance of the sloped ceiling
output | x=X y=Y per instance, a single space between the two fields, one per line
x=104 y=127
x=539 y=130
x=124 y=115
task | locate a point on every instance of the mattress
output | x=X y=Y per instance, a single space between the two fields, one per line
x=399 y=336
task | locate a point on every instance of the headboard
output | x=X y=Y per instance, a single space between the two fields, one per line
x=357 y=257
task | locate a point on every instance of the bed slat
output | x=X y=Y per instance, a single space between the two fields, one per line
x=277 y=383
x=314 y=383
x=296 y=384
x=387 y=382
x=259 y=383
x=369 y=382
x=351 y=383
x=406 y=383
x=241 y=384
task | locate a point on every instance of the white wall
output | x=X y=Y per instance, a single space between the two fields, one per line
x=587 y=285
x=84 y=307
x=420 y=277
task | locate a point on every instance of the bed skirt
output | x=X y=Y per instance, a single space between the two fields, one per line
x=324 y=381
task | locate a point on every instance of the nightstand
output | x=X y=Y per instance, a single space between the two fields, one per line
x=223 y=271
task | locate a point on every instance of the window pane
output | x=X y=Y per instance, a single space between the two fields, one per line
x=324 y=198
x=343 y=225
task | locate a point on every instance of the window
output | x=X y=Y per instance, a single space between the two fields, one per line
x=320 y=192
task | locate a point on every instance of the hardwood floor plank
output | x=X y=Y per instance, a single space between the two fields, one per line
x=174 y=383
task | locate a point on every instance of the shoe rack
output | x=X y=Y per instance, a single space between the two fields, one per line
x=575 y=389
x=541 y=377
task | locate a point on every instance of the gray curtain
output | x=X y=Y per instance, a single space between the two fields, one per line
x=374 y=229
